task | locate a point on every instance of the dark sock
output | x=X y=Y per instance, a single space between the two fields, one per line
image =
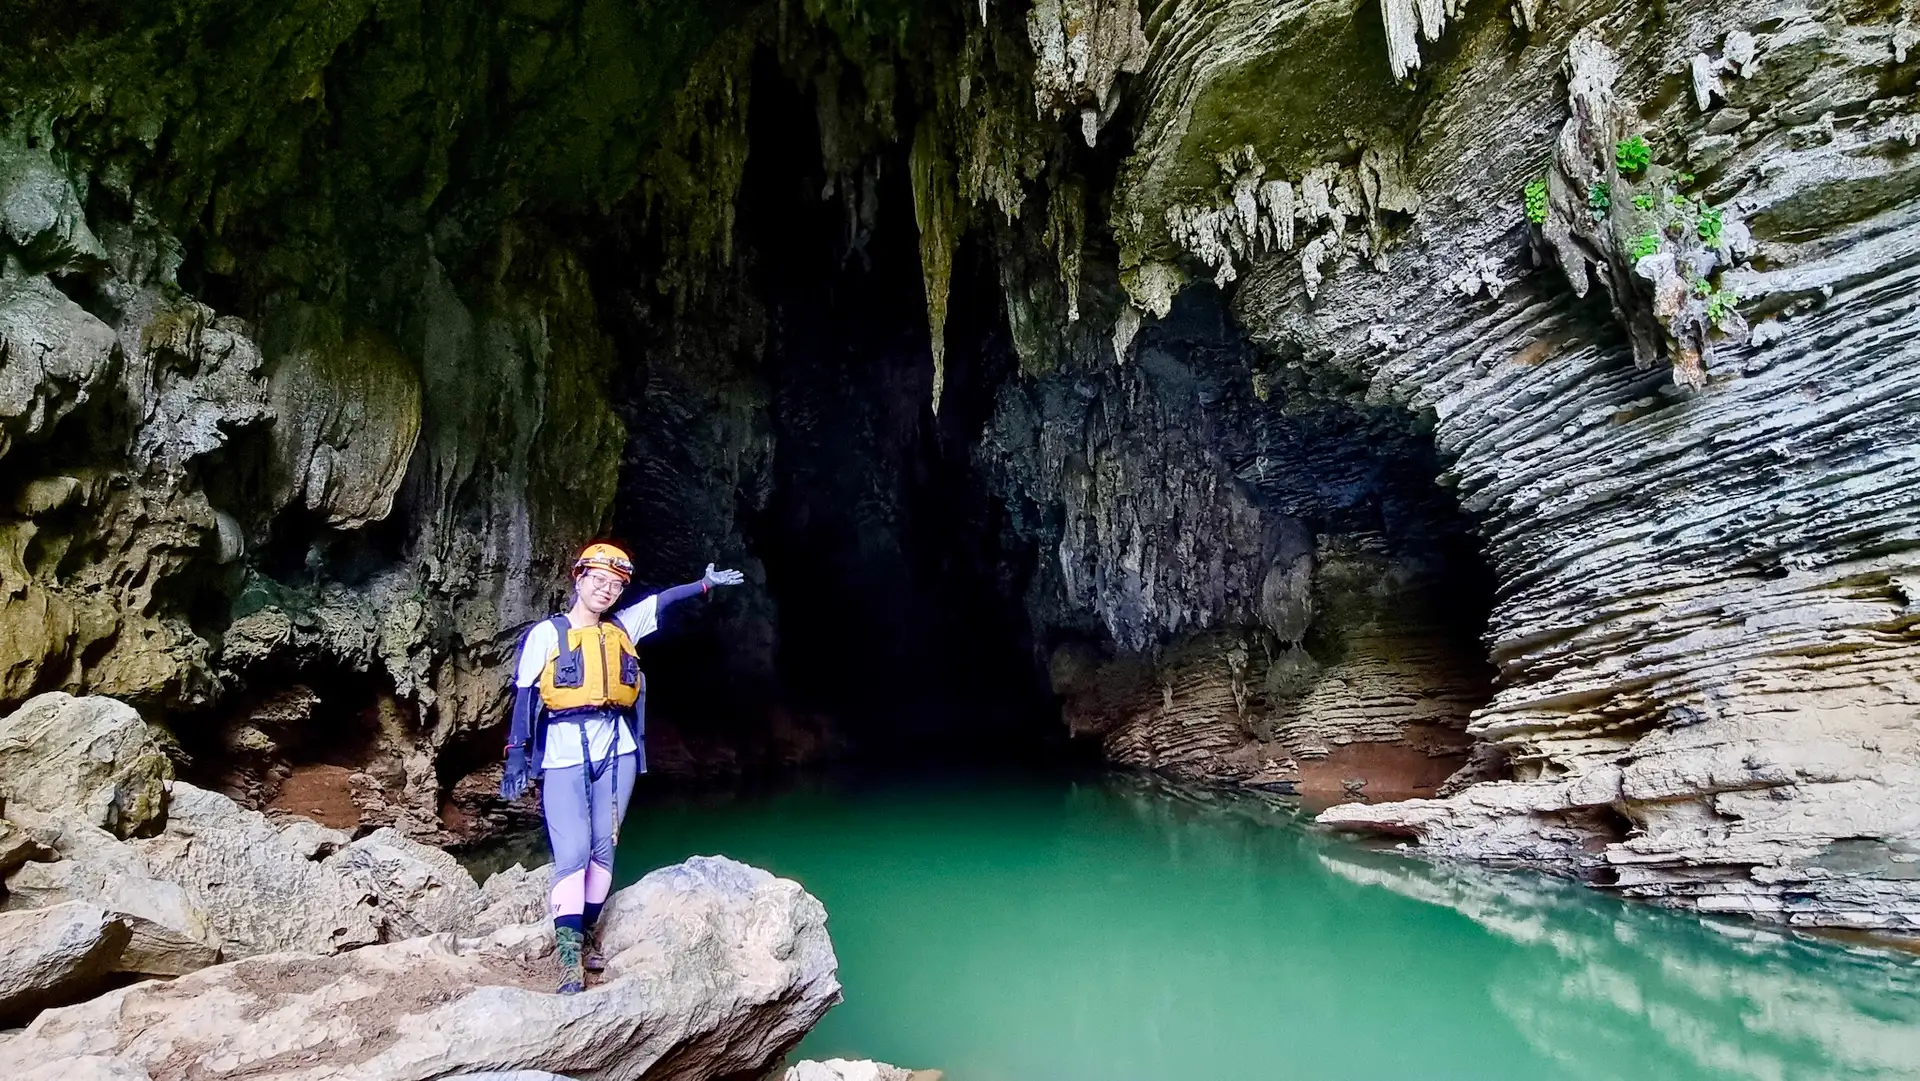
x=572 y=920
x=593 y=914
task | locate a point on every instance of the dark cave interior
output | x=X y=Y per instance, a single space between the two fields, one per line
x=906 y=605
x=892 y=622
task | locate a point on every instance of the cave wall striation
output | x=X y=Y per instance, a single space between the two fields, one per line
x=321 y=346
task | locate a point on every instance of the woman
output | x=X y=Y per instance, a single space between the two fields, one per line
x=579 y=705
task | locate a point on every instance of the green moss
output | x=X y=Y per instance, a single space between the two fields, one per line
x=307 y=144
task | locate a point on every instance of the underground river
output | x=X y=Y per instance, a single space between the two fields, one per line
x=1109 y=928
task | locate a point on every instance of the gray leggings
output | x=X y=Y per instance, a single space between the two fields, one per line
x=563 y=798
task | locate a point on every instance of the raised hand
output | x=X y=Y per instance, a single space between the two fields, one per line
x=721 y=578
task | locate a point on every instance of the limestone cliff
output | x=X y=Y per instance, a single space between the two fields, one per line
x=1331 y=394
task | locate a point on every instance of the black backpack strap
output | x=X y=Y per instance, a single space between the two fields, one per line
x=569 y=668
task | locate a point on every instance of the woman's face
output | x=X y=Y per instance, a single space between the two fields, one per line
x=598 y=590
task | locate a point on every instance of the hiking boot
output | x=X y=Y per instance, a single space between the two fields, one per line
x=591 y=956
x=573 y=978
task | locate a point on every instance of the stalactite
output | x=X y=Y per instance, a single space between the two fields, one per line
x=1066 y=235
x=694 y=175
x=936 y=210
x=1080 y=48
x=1409 y=20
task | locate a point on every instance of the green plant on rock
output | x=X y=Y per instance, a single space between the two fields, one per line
x=1600 y=199
x=1632 y=154
x=1537 y=201
x=1722 y=305
x=1645 y=201
x=1643 y=245
x=1712 y=226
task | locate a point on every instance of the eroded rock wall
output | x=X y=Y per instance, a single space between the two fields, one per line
x=1633 y=282
x=1706 y=671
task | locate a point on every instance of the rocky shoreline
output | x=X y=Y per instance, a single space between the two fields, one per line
x=153 y=931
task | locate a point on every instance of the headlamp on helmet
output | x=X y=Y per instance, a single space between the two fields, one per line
x=604 y=557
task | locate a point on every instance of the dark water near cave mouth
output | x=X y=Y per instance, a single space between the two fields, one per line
x=1113 y=929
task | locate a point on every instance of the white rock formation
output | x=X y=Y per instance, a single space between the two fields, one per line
x=715 y=969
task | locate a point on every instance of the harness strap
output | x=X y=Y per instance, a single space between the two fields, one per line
x=591 y=771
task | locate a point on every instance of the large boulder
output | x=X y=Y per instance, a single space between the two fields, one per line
x=263 y=894
x=418 y=889
x=55 y=955
x=715 y=970
x=169 y=935
x=89 y=757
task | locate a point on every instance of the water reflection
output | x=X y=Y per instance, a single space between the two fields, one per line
x=1599 y=977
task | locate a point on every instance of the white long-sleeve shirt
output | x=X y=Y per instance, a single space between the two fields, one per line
x=563 y=736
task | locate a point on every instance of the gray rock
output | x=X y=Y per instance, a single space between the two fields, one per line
x=262 y=894
x=55 y=955
x=90 y=757
x=87 y=1068
x=839 y=1069
x=715 y=968
x=419 y=889
x=169 y=934
x=41 y=214
x=53 y=355
x=513 y=896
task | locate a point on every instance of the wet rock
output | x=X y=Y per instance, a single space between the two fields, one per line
x=715 y=969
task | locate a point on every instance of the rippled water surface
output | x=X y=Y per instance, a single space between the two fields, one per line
x=1111 y=930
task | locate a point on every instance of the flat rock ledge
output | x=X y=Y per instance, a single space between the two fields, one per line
x=715 y=969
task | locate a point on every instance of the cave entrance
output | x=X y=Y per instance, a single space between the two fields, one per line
x=917 y=605
x=892 y=627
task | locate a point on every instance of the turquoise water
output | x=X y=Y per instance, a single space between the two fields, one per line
x=1111 y=929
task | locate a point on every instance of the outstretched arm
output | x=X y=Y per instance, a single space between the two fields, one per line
x=643 y=619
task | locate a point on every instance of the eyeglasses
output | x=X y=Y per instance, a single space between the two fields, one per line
x=601 y=581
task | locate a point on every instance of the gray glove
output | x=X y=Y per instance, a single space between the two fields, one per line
x=721 y=578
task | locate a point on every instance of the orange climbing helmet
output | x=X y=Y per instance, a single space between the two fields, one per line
x=604 y=557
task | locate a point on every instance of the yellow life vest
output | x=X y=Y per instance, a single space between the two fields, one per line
x=592 y=667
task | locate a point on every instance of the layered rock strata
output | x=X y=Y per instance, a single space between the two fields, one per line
x=1633 y=282
x=1705 y=673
